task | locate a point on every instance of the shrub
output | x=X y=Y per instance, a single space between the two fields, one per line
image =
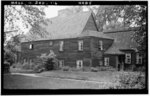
x=131 y=80
x=65 y=68
x=47 y=62
x=94 y=69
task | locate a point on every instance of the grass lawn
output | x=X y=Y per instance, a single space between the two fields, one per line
x=62 y=80
x=103 y=76
x=26 y=82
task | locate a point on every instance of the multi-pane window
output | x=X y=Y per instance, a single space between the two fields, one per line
x=31 y=46
x=100 y=45
x=50 y=43
x=128 y=58
x=80 y=45
x=106 y=61
x=61 y=63
x=100 y=63
x=61 y=46
x=79 y=64
x=138 y=58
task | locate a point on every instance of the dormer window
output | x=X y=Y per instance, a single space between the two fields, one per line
x=31 y=46
x=100 y=45
x=80 y=45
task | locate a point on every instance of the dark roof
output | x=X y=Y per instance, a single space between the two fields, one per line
x=122 y=41
x=62 y=27
x=94 y=34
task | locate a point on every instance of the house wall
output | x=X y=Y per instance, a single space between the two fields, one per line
x=112 y=60
x=97 y=55
x=69 y=55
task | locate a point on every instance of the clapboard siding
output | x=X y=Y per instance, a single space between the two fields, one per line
x=69 y=55
x=96 y=54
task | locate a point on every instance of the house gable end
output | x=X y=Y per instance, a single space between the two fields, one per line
x=91 y=24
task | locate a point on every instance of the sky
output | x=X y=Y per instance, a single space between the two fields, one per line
x=52 y=11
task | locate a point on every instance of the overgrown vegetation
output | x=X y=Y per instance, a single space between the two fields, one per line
x=44 y=62
x=130 y=80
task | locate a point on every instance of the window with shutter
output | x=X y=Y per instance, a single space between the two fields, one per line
x=80 y=45
x=128 y=58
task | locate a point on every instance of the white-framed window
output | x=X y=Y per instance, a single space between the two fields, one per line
x=80 y=45
x=31 y=46
x=79 y=64
x=61 y=63
x=51 y=43
x=100 y=45
x=139 y=58
x=106 y=61
x=100 y=62
x=128 y=58
x=61 y=46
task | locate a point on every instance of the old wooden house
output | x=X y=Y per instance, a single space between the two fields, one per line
x=77 y=42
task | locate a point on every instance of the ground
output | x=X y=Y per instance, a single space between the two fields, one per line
x=60 y=80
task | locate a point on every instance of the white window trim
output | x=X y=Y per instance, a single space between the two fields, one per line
x=128 y=58
x=106 y=61
x=61 y=46
x=138 y=59
x=51 y=43
x=100 y=44
x=78 y=62
x=80 y=45
x=31 y=46
x=61 y=63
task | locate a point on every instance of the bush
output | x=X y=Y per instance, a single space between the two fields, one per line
x=94 y=69
x=131 y=80
x=47 y=62
x=65 y=68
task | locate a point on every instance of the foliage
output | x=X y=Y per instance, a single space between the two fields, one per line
x=49 y=61
x=94 y=69
x=9 y=57
x=65 y=68
x=130 y=81
x=27 y=15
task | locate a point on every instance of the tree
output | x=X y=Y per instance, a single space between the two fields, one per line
x=132 y=16
x=23 y=17
x=16 y=20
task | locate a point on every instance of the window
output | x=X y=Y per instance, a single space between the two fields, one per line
x=61 y=63
x=100 y=45
x=61 y=45
x=128 y=58
x=138 y=58
x=100 y=63
x=80 y=45
x=106 y=61
x=31 y=46
x=50 y=43
x=79 y=64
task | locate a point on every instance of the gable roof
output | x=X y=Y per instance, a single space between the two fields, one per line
x=61 y=27
x=94 y=34
x=122 y=41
